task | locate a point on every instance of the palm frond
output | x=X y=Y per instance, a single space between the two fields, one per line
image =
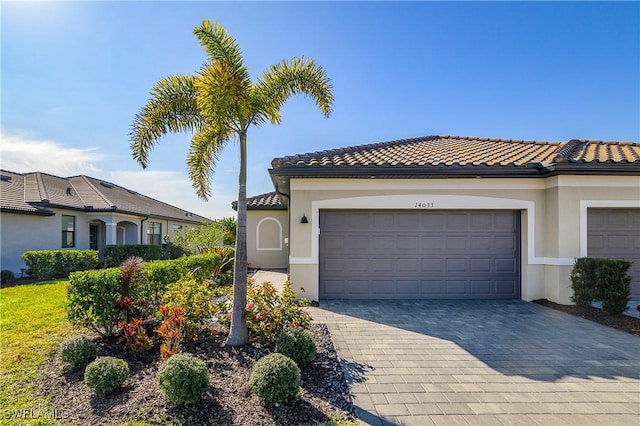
x=221 y=47
x=296 y=76
x=171 y=108
x=206 y=146
x=222 y=96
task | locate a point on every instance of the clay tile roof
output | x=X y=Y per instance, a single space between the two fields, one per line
x=268 y=201
x=463 y=151
x=12 y=194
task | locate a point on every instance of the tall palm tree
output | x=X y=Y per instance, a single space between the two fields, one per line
x=218 y=104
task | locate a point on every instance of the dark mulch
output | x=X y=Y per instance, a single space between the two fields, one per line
x=621 y=322
x=324 y=392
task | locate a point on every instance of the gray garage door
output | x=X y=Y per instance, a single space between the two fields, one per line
x=423 y=254
x=615 y=233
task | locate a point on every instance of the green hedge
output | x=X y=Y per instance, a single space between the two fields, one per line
x=601 y=280
x=49 y=263
x=114 y=255
x=92 y=294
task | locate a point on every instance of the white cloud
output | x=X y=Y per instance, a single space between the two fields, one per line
x=175 y=188
x=23 y=154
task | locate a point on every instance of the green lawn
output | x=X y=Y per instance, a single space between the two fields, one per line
x=33 y=321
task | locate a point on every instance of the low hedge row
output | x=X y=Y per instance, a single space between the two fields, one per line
x=45 y=264
x=92 y=295
x=114 y=255
x=602 y=280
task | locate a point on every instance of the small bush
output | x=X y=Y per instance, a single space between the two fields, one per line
x=614 y=285
x=91 y=300
x=297 y=345
x=269 y=313
x=171 y=330
x=49 y=263
x=134 y=336
x=183 y=378
x=76 y=351
x=605 y=280
x=106 y=374
x=195 y=297
x=584 y=282
x=6 y=276
x=275 y=378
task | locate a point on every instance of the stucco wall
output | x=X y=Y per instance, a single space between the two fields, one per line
x=267 y=238
x=553 y=217
x=21 y=232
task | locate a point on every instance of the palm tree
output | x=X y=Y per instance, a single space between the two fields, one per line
x=218 y=104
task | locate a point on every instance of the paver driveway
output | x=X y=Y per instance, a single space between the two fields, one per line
x=483 y=362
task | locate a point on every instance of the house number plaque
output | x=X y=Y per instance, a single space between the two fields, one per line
x=423 y=205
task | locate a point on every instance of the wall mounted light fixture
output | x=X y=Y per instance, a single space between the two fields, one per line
x=304 y=219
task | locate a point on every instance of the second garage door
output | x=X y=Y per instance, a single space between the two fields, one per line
x=424 y=254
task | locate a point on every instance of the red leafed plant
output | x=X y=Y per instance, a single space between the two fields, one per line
x=134 y=336
x=171 y=330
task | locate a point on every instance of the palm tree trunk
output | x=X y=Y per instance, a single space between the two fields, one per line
x=238 y=333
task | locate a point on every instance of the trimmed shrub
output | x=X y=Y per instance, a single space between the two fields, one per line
x=49 y=263
x=91 y=300
x=106 y=374
x=275 y=378
x=114 y=255
x=584 y=282
x=297 y=345
x=614 y=285
x=183 y=378
x=605 y=280
x=76 y=351
x=6 y=276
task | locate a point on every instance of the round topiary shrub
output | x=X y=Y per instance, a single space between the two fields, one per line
x=106 y=374
x=297 y=345
x=76 y=351
x=183 y=378
x=275 y=378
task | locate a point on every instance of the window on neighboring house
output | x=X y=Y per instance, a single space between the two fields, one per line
x=154 y=233
x=68 y=231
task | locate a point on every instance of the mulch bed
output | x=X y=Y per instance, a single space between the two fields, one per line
x=621 y=322
x=324 y=392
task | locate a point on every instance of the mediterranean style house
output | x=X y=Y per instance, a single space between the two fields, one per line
x=45 y=212
x=448 y=217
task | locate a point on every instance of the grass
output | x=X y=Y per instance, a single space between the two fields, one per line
x=33 y=321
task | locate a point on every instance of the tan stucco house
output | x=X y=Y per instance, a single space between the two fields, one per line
x=39 y=211
x=448 y=217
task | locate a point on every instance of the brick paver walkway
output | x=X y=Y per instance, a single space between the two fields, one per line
x=482 y=363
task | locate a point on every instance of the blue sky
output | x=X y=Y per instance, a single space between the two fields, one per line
x=74 y=75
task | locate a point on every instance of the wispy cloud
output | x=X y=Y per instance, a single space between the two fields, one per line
x=19 y=153
x=22 y=154
x=175 y=188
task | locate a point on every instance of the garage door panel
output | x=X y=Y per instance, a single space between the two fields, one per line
x=433 y=265
x=481 y=288
x=506 y=265
x=421 y=254
x=480 y=265
x=615 y=233
x=409 y=265
x=456 y=242
x=455 y=287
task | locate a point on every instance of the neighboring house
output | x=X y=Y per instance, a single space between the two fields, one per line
x=448 y=217
x=44 y=212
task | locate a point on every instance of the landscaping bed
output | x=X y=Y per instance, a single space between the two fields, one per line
x=324 y=393
x=621 y=322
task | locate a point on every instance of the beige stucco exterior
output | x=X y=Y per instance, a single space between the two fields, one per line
x=268 y=238
x=22 y=232
x=553 y=218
